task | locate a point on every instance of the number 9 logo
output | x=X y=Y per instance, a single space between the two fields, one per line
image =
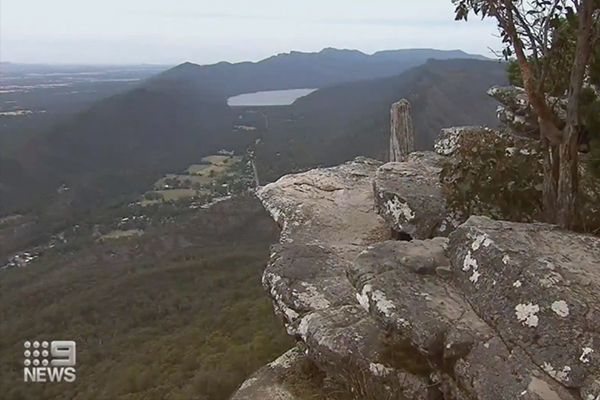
x=63 y=353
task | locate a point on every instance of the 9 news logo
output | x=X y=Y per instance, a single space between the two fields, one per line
x=49 y=361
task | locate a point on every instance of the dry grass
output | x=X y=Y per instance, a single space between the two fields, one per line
x=197 y=168
x=307 y=381
x=352 y=381
x=201 y=179
x=117 y=234
x=176 y=194
x=222 y=160
x=146 y=202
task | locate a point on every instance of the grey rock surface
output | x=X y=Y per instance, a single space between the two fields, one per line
x=439 y=329
x=408 y=195
x=537 y=287
x=448 y=141
x=326 y=205
x=269 y=382
x=327 y=217
x=517 y=113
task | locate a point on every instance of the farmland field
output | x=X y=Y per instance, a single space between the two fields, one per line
x=117 y=234
x=176 y=194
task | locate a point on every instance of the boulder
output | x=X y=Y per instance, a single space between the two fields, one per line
x=408 y=196
x=449 y=140
x=517 y=113
x=327 y=217
x=348 y=344
x=437 y=331
x=302 y=278
x=537 y=287
x=326 y=205
x=269 y=382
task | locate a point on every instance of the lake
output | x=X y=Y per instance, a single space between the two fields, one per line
x=268 y=98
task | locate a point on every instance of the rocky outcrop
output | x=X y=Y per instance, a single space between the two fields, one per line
x=402 y=141
x=539 y=289
x=403 y=288
x=269 y=382
x=476 y=310
x=449 y=140
x=408 y=196
x=517 y=113
x=495 y=310
x=327 y=218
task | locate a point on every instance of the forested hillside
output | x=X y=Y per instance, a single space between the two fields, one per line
x=178 y=311
x=337 y=123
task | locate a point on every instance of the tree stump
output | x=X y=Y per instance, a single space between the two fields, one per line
x=402 y=141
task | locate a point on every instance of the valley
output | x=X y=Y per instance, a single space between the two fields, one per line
x=134 y=212
x=32 y=97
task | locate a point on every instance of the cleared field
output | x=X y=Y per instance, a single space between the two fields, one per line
x=117 y=234
x=9 y=218
x=176 y=194
x=222 y=160
x=201 y=179
x=197 y=168
x=204 y=174
x=146 y=202
x=244 y=128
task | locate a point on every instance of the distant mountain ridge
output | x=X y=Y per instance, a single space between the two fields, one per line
x=299 y=70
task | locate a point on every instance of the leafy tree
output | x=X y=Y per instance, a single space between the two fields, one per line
x=553 y=43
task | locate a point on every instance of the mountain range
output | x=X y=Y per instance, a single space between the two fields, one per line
x=121 y=144
x=297 y=70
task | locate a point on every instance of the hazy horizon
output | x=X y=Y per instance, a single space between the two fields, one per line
x=150 y=65
x=153 y=32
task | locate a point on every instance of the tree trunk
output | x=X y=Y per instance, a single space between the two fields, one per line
x=550 y=188
x=568 y=181
x=569 y=174
x=535 y=95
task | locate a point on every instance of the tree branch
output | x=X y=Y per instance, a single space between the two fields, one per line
x=536 y=97
x=582 y=54
x=546 y=27
x=529 y=33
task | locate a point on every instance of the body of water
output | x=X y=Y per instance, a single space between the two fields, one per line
x=268 y=98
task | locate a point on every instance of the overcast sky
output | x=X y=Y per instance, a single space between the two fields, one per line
x=202 y=31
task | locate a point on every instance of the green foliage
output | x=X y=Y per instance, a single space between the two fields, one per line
x=492 y=175
x=178 y=313
x=514 y=73
x=557 y=81
x=501 y=176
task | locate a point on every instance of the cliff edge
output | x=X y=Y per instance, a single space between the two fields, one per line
x=392 y=294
